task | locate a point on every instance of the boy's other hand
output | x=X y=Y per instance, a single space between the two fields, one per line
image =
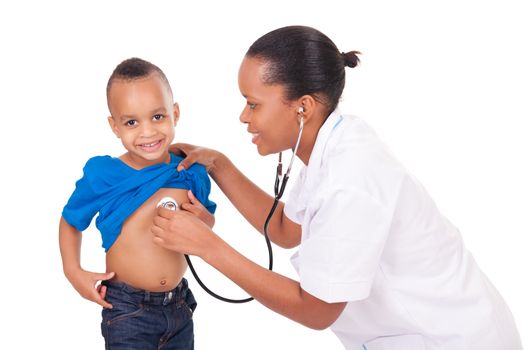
x=85 y=283
x=195 y=207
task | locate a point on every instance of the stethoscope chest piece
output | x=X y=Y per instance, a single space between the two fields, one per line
x=168 y=203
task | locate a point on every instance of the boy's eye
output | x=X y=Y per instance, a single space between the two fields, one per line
x=131 y=123
x=251 y=105
x=158 y=117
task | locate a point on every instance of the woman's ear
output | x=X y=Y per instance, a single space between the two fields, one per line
x=176 y=113
x=307 y=106
x=113 y=126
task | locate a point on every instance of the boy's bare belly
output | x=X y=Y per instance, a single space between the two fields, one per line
x=139 y=262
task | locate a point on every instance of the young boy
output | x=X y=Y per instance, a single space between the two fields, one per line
x=146 y=300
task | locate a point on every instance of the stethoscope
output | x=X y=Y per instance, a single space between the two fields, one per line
x=280 y=185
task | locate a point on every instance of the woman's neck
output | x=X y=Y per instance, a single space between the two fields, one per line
x=310 y=131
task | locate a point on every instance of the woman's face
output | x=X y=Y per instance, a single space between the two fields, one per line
x=271 y=119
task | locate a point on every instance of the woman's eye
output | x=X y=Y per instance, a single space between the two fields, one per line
x=131 y=123
x=158 y=117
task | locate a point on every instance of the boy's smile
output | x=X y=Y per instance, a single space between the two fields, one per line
x=143 y=116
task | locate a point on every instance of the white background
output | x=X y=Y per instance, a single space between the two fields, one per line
x=442 y=83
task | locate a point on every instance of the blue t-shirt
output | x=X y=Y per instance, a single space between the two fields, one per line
x=114 y=190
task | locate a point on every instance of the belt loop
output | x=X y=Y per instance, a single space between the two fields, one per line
x=168 y=296
x=146 y=296
x=178 y=292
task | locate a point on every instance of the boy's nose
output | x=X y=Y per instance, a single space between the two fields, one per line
x=148 y=129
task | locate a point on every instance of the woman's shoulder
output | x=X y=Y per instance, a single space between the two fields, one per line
x=356 y=150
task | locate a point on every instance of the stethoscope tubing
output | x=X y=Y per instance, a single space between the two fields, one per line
x=278 y=191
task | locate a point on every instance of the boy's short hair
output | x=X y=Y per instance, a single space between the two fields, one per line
x=135 y=68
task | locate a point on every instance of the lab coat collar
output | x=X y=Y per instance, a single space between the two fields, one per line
x=316 y=158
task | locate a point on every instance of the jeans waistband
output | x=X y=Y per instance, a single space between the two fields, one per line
x=152 y=298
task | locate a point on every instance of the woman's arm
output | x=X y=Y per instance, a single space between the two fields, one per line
x=252 y=202
x=279 y=293
x=183 y=232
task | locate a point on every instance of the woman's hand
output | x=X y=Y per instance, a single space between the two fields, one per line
x=183 y=232
x=196 y=208
x=195 y=154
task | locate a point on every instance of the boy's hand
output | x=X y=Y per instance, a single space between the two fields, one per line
x=85 y=283
x=195 y=207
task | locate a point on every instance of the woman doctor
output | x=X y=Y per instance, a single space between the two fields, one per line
x=377 y=262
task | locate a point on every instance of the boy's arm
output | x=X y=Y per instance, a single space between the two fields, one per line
x=70 y=240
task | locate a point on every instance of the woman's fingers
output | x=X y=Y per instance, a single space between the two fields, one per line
x=194 y=154
x=194 y=199
x=159 y=241
x=187 y=150
x=194 y=205
x=180 y=149
x=165 y=214
x=179 y=231
x=157 y=231
x=196 y=208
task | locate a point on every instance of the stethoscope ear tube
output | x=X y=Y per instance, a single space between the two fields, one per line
x=281 y=192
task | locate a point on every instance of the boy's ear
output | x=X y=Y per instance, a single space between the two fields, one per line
x=176 y=113
x=113 y=126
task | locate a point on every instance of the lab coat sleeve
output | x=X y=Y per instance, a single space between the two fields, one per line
x=342 y=244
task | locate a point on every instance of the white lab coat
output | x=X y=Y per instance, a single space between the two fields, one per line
x=372 y=236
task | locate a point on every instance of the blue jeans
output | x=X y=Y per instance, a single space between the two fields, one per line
x=148 y=320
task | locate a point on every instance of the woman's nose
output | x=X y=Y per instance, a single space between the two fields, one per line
x=245 y=115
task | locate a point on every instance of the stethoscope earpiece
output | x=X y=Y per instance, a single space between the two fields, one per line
x=300 y=110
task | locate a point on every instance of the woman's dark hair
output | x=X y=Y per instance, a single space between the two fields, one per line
x=305 y=62
x=135 y=68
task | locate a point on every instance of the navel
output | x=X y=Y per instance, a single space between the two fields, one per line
x=162 y=282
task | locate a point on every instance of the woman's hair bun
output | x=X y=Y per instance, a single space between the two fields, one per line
x=350 y=58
